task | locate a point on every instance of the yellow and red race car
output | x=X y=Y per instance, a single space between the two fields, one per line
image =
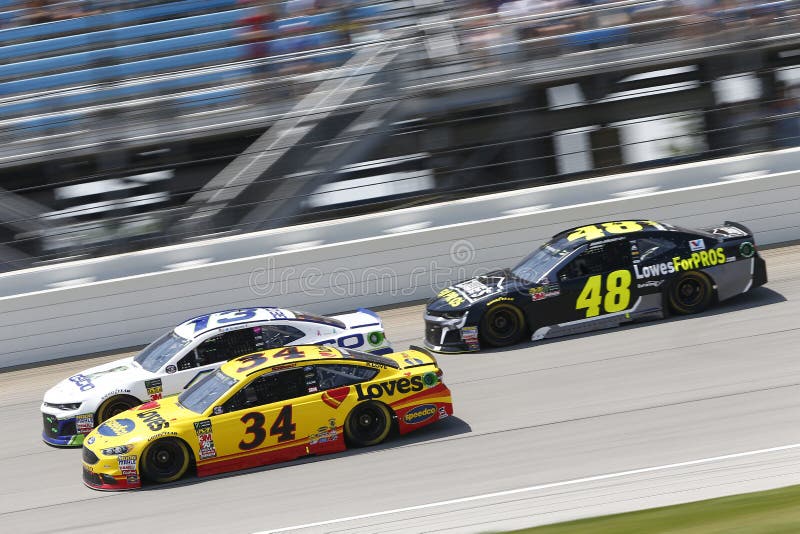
x=268 y=407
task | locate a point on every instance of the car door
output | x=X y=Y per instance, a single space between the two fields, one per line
x=595 y=283
x=207 y=356
x=268 y=420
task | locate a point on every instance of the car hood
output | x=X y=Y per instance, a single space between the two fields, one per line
x=96 y=381
x=140 y=424
x=463 y=295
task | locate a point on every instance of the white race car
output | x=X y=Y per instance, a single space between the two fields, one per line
x=176 y=360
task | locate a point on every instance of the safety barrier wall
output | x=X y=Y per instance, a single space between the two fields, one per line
x=373 y=271
x=429 y=216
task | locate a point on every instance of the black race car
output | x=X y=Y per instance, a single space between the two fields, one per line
x=596 y=276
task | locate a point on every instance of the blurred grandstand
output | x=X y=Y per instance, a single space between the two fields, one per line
x=132 y=123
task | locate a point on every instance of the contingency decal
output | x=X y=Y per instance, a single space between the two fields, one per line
x=205 y=438
x=469 y=335
x=127 y=465
x=696 y=245
x=84 y=423
x=154 y=388
x=324 y=434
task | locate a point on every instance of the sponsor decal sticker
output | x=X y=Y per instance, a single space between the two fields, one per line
x=205 y=438
x=153 y=420
x=90 y=440
x=499 y=299
x=116 y=427
x=469 y=334
x=401 y=385
x=127 y=465
x=451 y=297
x=171 y=369
x=324 y=434
x=430 y=379
x=154 y=388
x=161 y=435
x=132 y=479
x=82 y=381
x=552 y=290
x=696 y=260
x=474 y=289
x=375 y=338
x=420 y=414
x=747 y=249
x=84 y=423
x=696 y=245
x=442 y=412
x=650 y=283
x=537 y=293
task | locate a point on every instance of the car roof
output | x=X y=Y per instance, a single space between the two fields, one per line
x=227 y=320
x=646 y=227
x=296 y=356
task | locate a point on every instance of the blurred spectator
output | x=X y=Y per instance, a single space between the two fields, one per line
x=37 y=12
x=258 y=32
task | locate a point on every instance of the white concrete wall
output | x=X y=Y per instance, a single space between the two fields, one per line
x=429 y=216
x=373 y=271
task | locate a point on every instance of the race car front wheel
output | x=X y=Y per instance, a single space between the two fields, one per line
x=368 y=424
x=502 y=325
x=114 y=406
x=165 y=460
x=691 y=293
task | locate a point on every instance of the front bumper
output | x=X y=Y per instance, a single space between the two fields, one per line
x=103 y=473
x=60 y=432
x=106 y=482
x=450 y=335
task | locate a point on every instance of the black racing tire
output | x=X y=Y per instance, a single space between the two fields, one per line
x=369 y=423
x=692 y=292
x=165 y=460
x=115 y=405
x=502 y=325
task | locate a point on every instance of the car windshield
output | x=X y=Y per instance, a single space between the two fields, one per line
x=206 y=392
x=160 y=351
x=540 y=261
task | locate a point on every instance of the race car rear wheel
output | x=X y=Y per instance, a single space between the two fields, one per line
x=692 y=292
x=502 y=325
x=115 y=405
x=165 y=460
x=368 y=424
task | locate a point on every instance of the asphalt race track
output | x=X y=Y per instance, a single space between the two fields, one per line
x=647 y=415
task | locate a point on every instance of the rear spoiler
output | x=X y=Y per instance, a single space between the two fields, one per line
x=731 y=230
x=426 y=352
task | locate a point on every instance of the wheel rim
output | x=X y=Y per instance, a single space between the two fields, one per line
x=368 y=424
x=164 y=459
x=690 y=292
x=503 y=324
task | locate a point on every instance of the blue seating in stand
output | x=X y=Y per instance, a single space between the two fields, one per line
x=141 y=31
x=112 y=19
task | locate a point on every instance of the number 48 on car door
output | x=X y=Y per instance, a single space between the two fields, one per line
x=598 y=281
